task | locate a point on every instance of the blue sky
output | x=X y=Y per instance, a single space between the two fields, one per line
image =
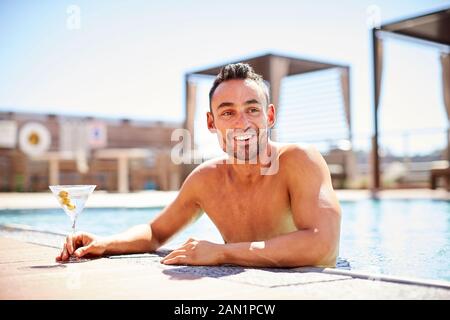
x=128 y=59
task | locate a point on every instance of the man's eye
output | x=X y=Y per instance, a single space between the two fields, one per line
x=226 y=113
x=254 y=110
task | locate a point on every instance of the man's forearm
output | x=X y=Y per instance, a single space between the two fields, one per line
x=299 y=248
x=138 y=239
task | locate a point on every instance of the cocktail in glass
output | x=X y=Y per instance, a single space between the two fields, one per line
x=72 y=199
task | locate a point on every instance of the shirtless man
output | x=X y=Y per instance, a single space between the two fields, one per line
x=286 y=218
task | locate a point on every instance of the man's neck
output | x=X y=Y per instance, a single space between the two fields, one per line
x=250 y=172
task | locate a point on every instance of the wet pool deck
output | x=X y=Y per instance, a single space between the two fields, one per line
x=28 y=270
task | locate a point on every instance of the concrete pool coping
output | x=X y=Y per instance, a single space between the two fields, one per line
x=28 y=271
x=155 y=199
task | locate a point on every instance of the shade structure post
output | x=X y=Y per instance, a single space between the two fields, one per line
x=278 y=69
x=445 y=65
x=345 y=88
x=190 y=105
x=377 y=54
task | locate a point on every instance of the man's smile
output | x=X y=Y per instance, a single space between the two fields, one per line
x=243 y=136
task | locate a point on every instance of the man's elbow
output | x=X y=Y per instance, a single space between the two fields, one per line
x=322 y=250
x=327 y=243
x=155 y=241
x=322 y=254
x=325 y=253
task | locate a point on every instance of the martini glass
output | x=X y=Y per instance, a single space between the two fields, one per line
x=72 y=199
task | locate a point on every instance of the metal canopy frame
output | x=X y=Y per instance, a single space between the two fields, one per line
x=430 y=29
x=273 y=68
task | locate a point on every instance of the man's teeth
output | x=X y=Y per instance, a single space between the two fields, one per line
x=243 y=137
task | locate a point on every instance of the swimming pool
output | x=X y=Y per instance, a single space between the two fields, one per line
x=394 y=237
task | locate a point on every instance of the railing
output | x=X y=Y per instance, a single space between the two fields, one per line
x=406 y=157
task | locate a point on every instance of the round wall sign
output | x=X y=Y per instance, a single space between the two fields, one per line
x=34 y=139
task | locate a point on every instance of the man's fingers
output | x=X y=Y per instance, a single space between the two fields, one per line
x=173 y=254
x=65 y=254
x=83 y=251
x=58 y=257
x=189 y=241
x=77 y=240
x=189 y=244
x=70 y=244
x=181 y=259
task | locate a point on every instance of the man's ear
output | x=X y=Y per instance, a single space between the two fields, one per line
x=210 y=122
x=271 y=117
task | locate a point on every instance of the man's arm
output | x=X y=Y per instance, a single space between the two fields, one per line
x=140 y=238
x=316 y=213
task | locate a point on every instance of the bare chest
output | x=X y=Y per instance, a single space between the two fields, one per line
x=250 y=213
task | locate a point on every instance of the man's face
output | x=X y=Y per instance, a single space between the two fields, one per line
x=240 y=118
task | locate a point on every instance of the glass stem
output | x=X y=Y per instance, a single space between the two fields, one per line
x=72 y=257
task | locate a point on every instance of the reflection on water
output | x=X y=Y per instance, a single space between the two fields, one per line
x=395 y=237
x=398 y=237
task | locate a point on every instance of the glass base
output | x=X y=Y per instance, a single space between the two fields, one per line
x=73 y=259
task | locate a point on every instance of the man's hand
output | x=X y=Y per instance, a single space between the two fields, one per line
x=196 y=253
x=81 y=244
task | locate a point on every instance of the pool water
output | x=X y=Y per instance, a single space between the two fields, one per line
x=395 y=237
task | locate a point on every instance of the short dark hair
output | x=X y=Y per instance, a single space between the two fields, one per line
x=240 y=71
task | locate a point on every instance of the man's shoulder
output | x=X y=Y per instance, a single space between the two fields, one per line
x=298 y=152
x=205 y=170
x=305 y=159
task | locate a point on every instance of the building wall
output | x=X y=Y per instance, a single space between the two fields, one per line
x=18 y=172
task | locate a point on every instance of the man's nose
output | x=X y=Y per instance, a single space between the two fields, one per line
x=242 y=121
